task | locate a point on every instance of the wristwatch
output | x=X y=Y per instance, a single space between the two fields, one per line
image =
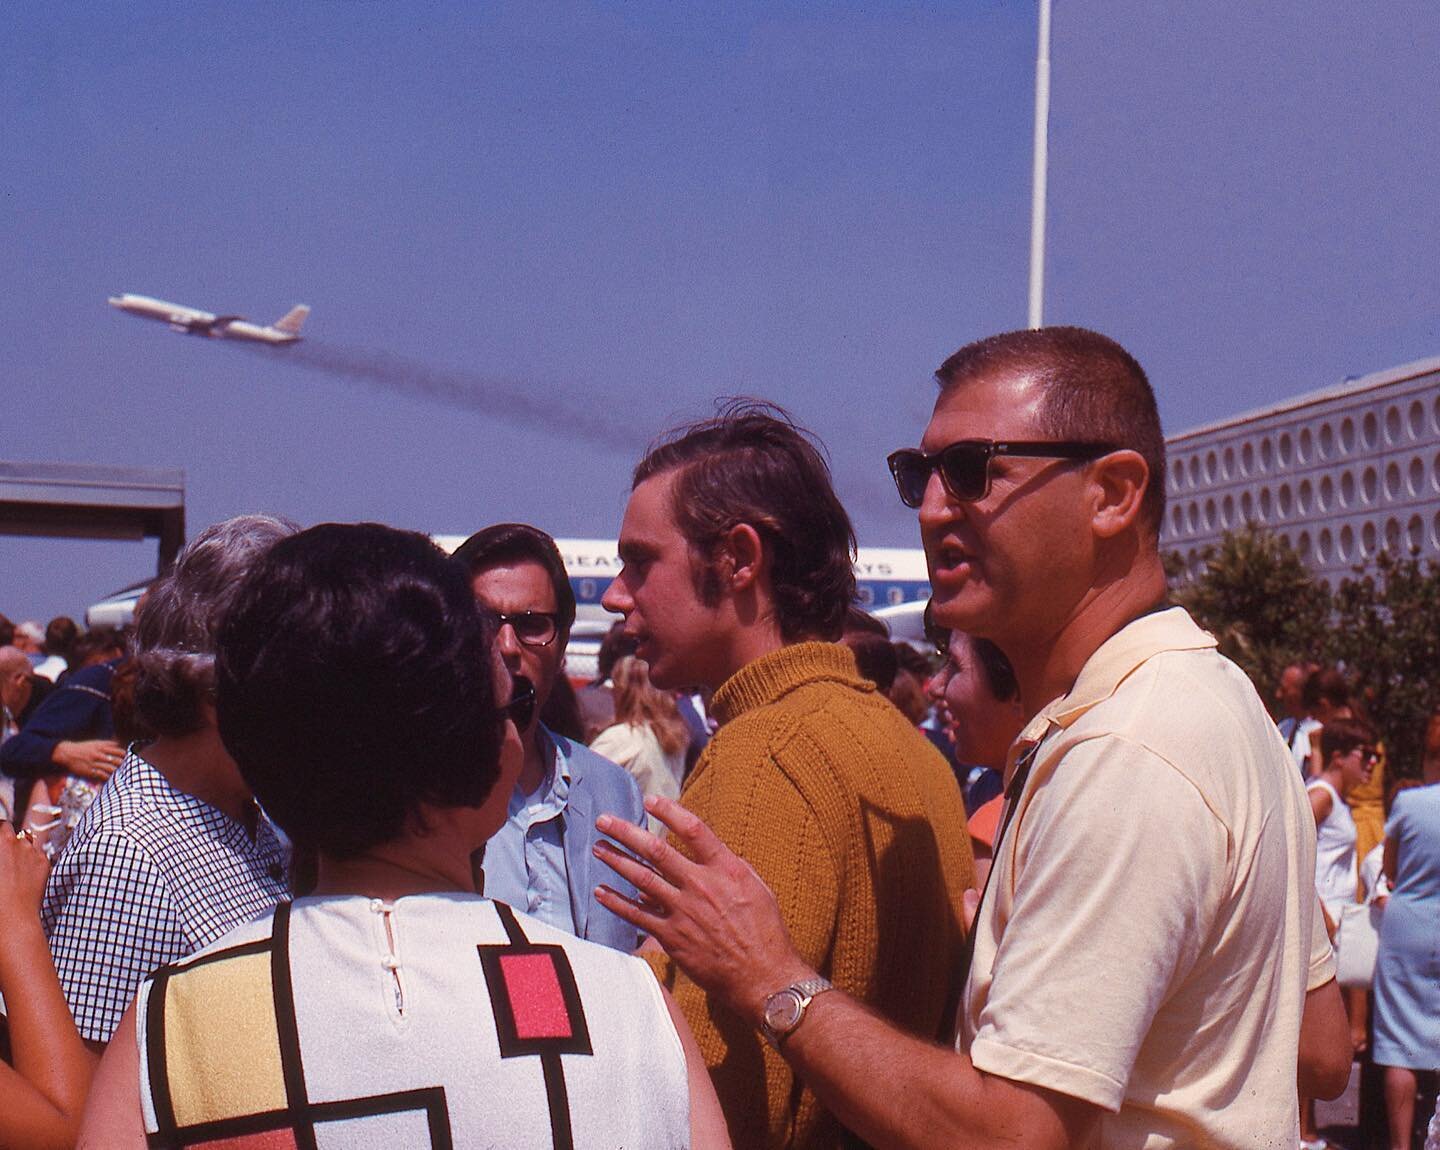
x=785 y=1009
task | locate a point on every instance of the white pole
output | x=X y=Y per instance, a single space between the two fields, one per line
x=1037 y=201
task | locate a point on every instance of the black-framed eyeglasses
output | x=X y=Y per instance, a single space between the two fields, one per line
x=533 y=628
x=965 y=466
x=521 y=707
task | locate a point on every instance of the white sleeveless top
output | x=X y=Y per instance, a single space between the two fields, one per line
x=1335 y=874
x=439 y=1020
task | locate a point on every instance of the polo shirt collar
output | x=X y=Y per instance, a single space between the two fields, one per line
x=1110 y=665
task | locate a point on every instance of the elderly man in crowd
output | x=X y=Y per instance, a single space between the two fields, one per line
x=1148 y=944
x=72 y=729
x=21 y=691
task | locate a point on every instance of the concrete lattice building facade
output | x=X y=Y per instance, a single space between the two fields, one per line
x=1339 y=473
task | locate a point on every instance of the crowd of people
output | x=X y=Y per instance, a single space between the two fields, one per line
x=1377 y=872
x=329 y=850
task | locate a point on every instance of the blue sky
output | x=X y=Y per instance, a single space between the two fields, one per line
x=616 y=212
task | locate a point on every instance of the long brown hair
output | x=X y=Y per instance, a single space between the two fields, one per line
x=640 y=704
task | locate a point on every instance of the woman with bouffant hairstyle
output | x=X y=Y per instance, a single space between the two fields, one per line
x=174 y=645
x=174 y=851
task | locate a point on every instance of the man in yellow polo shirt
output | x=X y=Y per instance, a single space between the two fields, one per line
x=1148 y=970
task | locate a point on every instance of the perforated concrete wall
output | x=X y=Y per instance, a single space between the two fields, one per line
x=1339 y=474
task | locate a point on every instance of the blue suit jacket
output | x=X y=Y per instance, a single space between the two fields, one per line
x=597 y=786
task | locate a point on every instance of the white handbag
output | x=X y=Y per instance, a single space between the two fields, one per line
x=1357 y=940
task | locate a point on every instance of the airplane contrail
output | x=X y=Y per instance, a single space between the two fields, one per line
x=509 y=400
x=474 y=391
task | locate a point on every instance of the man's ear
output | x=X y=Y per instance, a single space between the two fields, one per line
x=742 y=557
x=1119 y=481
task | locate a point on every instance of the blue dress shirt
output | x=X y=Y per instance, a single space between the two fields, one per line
x=540 y=861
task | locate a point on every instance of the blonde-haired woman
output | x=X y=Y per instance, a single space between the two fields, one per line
x=649 y=737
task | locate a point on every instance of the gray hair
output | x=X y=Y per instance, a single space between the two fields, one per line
x=175 y=627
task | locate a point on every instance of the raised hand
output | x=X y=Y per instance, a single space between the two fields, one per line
x=710 y=911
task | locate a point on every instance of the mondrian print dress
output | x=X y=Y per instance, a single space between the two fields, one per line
x=439 y=1020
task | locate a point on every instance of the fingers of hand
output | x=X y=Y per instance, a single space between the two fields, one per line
x=641 y=914
x=651 y=884
x=7 y=829
x=971 y=902
x=703 y=843
x=656 y=852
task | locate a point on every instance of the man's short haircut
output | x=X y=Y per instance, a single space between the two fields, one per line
x=96 y=642
x=174 y=642
x=753 y=464
x=1341 y=736
x=1093 y=391
x=60 y=635
x=7 y=632
x=1328 y=686
x=504 y=544
x=356 y=679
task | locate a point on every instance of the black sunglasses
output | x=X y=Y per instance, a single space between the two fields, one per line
x=521 y=707
x=533 y=628
x=965 y=466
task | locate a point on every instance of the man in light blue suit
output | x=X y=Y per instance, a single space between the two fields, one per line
x=540 y=862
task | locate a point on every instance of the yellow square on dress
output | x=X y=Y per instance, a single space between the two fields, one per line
x=222 y=1048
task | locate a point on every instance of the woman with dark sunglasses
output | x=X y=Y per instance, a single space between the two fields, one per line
x=359 y=690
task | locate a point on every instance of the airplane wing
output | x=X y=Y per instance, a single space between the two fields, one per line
x=196 y=320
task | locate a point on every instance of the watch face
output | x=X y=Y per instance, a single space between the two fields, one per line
x=782 y=1011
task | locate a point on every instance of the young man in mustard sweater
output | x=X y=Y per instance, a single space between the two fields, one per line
x=738 y=569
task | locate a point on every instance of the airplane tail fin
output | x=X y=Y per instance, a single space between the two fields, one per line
x=292 y=320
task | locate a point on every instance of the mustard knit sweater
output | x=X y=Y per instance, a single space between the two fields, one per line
x=856 y=823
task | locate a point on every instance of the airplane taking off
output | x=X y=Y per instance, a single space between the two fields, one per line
x=192 y=321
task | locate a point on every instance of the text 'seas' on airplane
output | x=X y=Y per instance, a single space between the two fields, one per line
x=193 y=321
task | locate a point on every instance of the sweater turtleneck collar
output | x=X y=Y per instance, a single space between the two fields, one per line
x=780 y=672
